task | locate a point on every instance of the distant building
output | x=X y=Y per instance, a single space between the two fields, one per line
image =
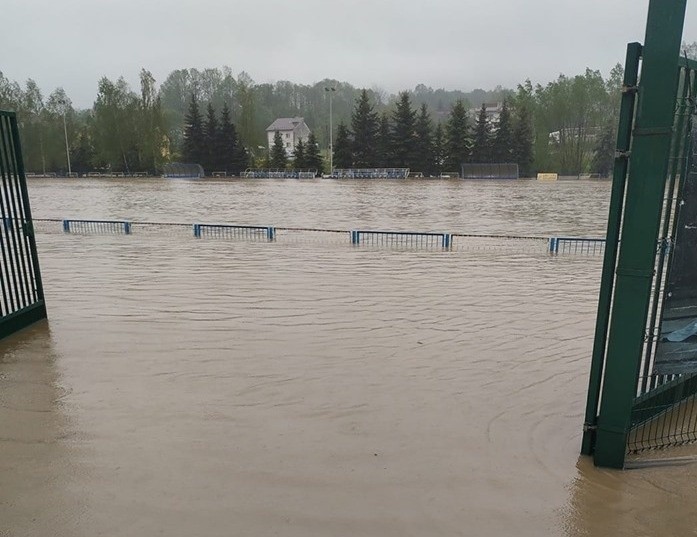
x=292 y=129
x=493 y=111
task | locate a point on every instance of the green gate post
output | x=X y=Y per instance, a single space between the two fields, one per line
x=619 y=179
x=644 y=199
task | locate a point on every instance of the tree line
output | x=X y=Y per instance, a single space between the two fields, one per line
x=407 y=137
x=571 y=121
x=213 y=142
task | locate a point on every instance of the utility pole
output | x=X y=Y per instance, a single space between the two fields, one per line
x=330 y=91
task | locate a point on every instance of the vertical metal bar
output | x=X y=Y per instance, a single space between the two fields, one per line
x=10 y=238
x=6 y=282
x=16 y=186
x=624 y=136
x=640 y=226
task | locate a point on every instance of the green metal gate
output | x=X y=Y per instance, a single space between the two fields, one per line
x=20 y=280
x=631 y=406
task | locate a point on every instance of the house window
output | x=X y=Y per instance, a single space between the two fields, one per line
x=287 y=135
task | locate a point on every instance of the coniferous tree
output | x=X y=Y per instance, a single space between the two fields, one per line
x=523 y=139
x=404 y=133
x=240 y=158
x=313 y=157
x=211 y=139
x=502 y=147
x=364 y=125
x=384 y=142
x=82 y=154
x=423 y=155
x=457 y=137
x=299 y=162
x=343 y=157
x=193 y=150
x=279 y=159
x=226 y=140
x=481 y=138
x=235 y=158
x=439 y=150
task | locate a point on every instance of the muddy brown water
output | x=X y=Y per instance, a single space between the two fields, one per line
x=215 y=387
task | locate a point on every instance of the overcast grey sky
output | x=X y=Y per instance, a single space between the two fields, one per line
x=394 y=44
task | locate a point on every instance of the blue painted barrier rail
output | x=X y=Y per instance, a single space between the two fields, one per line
x=229 y=231
x=97 y=226
x=404 y=239
x=369 y=237
x=576 y=245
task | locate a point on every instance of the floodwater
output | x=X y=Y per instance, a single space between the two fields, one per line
x=206 y=387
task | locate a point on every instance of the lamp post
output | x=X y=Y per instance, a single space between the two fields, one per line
x=65 y=133
x=330 y=91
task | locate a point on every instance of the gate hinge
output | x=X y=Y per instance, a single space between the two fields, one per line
x=589 y=427
x=622 y=154
x=629 y=89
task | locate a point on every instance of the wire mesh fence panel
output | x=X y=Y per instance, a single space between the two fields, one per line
x=577 y=245
x=227 y=231
x=495 y=170
x=401 y=239
x=97 y=227
x=663 y=412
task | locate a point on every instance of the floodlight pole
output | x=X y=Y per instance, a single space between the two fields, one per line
x=330 y=91
x=67 y=147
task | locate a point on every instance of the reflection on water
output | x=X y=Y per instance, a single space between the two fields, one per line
x=37 y=445
x=221 y=388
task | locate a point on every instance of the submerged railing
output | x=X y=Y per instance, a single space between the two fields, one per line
x=409 y=240
x=97 y=226
x=229 y=231
x=576 y=245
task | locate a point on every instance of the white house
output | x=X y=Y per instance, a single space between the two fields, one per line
x=292 y=130
x=492 y=110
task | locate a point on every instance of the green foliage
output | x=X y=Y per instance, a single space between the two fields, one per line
x=194 y=150
x=502 y=143
x=343 y=158
x=299 y=161
x=482 y=138
x=423 y=154
x=457 y=137
x=279 y=159
x=313 y=157
x=562 y=126
x=604 y=151
x=403 y=133
x=364 y=126
x=82 y=153
x=115 y=131
x=523 y=137
x=211 y=137
x=384 y=142
x=440 y=150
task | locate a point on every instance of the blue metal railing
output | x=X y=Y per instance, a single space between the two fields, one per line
x=229 y=231
x=406 y=239
x=97 y=226
x=576 y=245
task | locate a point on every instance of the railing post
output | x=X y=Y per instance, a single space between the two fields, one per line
x=127 y=228
x=66 y=226
x=271 y=233
x=197 y=231
x=355 y=238
x=446 y=240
